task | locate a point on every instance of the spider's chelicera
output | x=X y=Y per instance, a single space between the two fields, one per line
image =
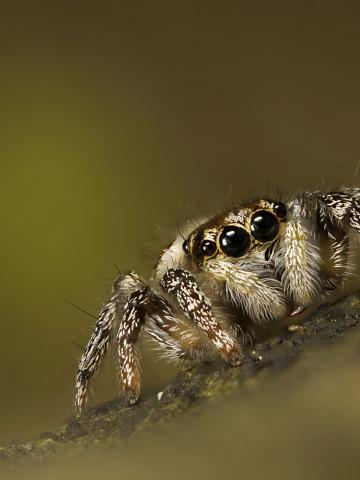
x=259 y=262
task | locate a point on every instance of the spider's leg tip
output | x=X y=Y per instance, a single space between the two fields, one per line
x=132 y=397
x=236 y=358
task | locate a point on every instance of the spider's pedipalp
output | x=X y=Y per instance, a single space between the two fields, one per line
x=261 y=297
x=301 y=264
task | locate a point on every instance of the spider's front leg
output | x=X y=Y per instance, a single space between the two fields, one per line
x=197 y=307
x=146 y=309
x=141 y=308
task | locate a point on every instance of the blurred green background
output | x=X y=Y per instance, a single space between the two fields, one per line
x=115 y=116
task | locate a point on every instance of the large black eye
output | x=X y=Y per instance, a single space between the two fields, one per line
x=264 y=226
x=280 y=209
x=234 y=241
x=208 y=248
x=186 y=247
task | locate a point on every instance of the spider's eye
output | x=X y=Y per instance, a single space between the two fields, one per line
x=264 y=226
x=234 y=241
x=186 y=247
x=208 y=248
x=280 y=209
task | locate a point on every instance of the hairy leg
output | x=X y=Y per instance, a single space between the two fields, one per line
x=197 y=307
x=129 y=331
x=147 y=310
x=100 y=339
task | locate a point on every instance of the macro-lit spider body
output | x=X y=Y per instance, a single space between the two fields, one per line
x=259 y=262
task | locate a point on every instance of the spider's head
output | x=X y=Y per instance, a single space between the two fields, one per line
x=235 y=234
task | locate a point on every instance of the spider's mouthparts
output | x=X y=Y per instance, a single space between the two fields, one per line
x=297 y=311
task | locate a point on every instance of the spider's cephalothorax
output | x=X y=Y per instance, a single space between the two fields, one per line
x=263 y=260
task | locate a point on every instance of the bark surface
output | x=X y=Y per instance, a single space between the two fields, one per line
x=332 y=328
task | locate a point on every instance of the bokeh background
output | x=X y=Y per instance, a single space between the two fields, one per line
x=119 y=120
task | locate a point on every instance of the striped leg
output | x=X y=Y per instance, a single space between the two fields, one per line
x=197 y=307
x=339 y=212
x=100 y=339
x=147 y=310
x=131 y=326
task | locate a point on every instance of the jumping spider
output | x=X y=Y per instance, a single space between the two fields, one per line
x=260 y=262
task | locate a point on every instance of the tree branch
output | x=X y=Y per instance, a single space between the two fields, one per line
x=112 y=422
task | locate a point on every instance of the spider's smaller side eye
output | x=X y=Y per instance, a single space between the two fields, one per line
x=264 y=226
x=186 y=247
x=234 y=241
x=280 y=209
x=208 y=248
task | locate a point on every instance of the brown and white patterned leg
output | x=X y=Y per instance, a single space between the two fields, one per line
x=175 y=339
x=197 y=307
x=128 y=335
x=101 y=338
x=147 y=310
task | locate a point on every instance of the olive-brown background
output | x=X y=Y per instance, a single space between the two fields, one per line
x=117 y=114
